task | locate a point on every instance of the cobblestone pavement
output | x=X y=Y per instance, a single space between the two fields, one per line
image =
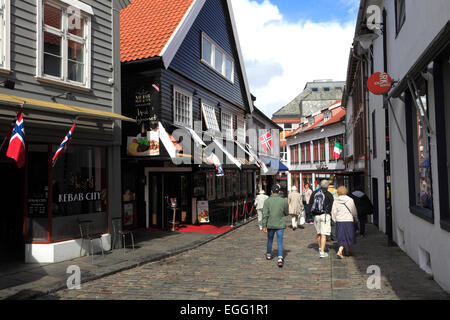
x=234 y=267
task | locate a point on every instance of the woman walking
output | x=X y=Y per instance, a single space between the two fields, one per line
x=344 y=214
x=295 y=206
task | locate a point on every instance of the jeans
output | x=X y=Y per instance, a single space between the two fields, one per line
x=270 y=235
x=308 y=217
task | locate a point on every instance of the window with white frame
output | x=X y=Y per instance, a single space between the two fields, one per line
x=217 y=58
x=5 y=30
x=227 y=125
x=209 y=115
x=64 y=43
x=182 y=107
x=241 y=134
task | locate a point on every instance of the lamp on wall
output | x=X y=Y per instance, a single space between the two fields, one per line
x=366 y=37
x=68 y=96
x=9 y=84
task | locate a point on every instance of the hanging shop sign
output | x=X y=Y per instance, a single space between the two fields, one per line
x=144 y=146
x=379 y=83
x=145 y=101
x=203 y=211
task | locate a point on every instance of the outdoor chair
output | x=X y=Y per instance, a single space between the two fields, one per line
x=119 y=232
x=86 y=235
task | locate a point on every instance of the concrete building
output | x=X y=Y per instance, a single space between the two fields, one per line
x=316 y=96
x=407 y=133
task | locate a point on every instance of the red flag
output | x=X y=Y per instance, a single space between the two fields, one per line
x=16 y=148
x=266 y=141
x=64 y=145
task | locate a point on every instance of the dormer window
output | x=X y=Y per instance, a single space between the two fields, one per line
x=310 y=120
x=327 y=115
x=216 y=58
x=326 y=89
x=315 y=89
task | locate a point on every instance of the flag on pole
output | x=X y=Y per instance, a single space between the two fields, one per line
x=63 y=146
x=156 y=87
x=8 y=134
x=266 y=141
x=337 y=150
x=16 y=148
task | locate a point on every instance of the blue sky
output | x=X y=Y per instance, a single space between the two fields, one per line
x=287 y=43
x=317 y=10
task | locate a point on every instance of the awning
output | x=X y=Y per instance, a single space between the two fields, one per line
x=275 y=164
x=229 y=156
x=80 y=112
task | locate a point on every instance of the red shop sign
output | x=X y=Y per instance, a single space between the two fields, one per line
x=379 y=83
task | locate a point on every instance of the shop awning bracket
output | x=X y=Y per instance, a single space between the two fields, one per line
x=419 y=105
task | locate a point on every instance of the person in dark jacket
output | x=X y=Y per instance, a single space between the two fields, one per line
x=321 y=202
x=275 y=211
x=363 y=206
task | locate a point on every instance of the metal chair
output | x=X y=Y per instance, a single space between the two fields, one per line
x=86 y=235
x=118 y=231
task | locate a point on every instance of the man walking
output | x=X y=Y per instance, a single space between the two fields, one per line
x=274 y=212
x=363 y=206
x=306 y=195
x=321 y=202
x=295 y=206
x=259 y=204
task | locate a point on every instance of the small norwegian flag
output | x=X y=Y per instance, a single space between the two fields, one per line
x=16 y=148
x=156 y=87
x=64 y=145
x=266 y=141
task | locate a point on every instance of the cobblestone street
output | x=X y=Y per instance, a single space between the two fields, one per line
x=234 y=267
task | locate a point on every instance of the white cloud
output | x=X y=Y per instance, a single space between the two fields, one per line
x=281 y=56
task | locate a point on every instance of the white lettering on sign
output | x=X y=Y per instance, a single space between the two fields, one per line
x=78 y=197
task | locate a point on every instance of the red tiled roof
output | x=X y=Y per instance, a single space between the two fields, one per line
x=286 y=120
x=336 y=117
x=147 y=25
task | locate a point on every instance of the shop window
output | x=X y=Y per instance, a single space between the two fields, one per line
x=182 y=107
x=37 y=193
x=220 y=185
x=211 y=185
x=5 y=34
x=199 y=185
x=419 y=160
x=243 y=183
x=79 y=191
x=63 y=44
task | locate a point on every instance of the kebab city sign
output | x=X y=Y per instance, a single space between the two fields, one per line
x=379 y=83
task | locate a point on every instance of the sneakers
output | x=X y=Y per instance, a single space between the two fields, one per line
x=323 y=254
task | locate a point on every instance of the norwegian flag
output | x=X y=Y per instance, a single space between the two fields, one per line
x=16 y=148
x=64 y=145
x=266 y=141
x=156 y=87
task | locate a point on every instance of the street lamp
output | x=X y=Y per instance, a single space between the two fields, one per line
x=366 y=37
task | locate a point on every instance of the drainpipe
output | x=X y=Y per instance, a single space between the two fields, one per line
x=387 y=161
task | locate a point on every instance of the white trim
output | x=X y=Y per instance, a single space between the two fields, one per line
x=191 y=112
x=65 y=38
x=80 y=5
x=177 y=37
x=5 y=51
x=225 y=55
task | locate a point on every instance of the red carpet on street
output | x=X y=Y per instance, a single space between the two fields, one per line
x=204 y=228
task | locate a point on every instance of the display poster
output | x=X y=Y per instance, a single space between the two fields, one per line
x=203 y=211
x=144 y=146
x=128 y=214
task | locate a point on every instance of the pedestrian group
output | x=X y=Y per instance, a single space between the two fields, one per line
x=346 y=213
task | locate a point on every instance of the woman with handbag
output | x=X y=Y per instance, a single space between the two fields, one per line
x=344 y=214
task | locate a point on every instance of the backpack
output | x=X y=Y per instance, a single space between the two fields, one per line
x=318 y=204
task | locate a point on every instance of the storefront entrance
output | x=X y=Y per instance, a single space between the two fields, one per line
x=12 y=245
x=161 y=188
